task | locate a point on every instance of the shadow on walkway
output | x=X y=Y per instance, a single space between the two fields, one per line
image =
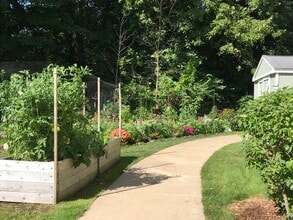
x=103 y=181
x=135 y=178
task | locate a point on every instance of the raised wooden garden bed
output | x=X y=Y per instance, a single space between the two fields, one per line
x=33 y=182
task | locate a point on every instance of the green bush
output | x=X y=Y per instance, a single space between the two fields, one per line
x=27 y=107
x=210 y=126
x=157 y=128
x=152 y=129
x=228 y=116
x=268 y=125
x=135 y=133
x=127 y=116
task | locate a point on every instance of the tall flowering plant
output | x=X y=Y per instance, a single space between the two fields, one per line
x=187 y=130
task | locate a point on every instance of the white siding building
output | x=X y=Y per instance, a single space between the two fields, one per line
x=273 y=73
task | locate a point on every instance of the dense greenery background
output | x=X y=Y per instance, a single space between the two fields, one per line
x=139 y=41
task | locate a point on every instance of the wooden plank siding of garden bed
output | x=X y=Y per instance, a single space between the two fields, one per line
x=71 y=179
x=33 y=182
x=112 y=155
x=26 y=181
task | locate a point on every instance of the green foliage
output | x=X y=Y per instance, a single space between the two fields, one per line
x=144 y=126
x=243 y=100
x=138 y=95
x=167 y=94
x=110 y=111
x=186 y=95
x=28 y=116
x=152 y=129
x=210 y=126
x=126 y=115
x=226 y=38
x=233 y=22
x=106 y=127
x=268 y=123
x=213 y=113
x=194 y=89
x=136 y=133
x=229 y=117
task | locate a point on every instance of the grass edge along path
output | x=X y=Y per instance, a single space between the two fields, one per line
x=76 y=205
x=225 y=179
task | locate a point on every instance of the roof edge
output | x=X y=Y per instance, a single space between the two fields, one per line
x=273 y=70
x=258 y=66
x=270 y=73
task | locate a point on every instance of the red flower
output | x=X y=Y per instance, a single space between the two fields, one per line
x=125 y=136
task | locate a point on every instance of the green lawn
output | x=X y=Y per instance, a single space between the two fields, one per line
x=225 y=179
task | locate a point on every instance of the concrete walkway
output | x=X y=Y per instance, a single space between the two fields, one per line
x=166 y=185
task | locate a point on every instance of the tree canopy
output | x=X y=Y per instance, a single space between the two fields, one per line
x=139 y=41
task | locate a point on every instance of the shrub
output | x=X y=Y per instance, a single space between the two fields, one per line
x=28 y=116
x=176 y=129
x=106 y=127
x=166 y=128
x=149 y=127
x=228 y=116
x=268 y=125
x=213 y=113
x=158 y=128
x=127 y=116
x=135 y=133
x=210 y=126
x=110 y=111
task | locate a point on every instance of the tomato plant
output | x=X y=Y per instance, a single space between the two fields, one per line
x=27 y=116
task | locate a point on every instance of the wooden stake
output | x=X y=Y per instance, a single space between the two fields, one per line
x=83 y=109
x=120 y=109
x=55 y=135
x=99 y=103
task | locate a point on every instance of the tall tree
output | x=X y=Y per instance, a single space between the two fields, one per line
x=236 y=35
x=159 y=25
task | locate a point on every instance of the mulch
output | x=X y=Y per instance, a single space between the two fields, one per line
x=256 y=209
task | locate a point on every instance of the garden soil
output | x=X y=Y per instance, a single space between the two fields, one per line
x=166 y=185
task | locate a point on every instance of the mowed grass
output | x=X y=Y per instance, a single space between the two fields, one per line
x=225 y=179
x=75 y=206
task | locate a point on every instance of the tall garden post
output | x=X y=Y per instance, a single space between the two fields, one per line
x=120 y=109
x=55 y=76
x=83 y=91
x=99 y=103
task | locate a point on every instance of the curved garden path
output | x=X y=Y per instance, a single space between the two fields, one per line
x=165 y=185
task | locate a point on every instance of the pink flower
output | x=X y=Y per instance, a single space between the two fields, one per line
x=187 y=130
